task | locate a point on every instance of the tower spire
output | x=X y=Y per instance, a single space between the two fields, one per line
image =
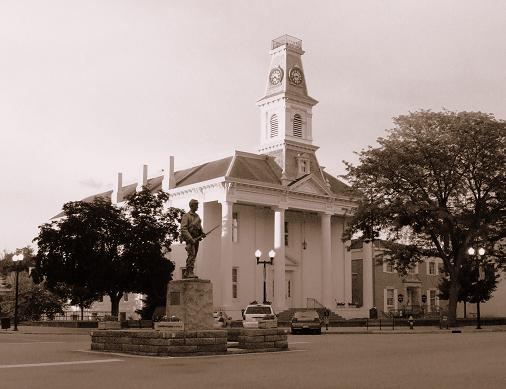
x=286 y=109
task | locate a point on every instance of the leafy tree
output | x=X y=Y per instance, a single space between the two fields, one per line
x=154 y=228
x=7 y=265
x=98 y=248
x=33 y=300
x=474 y=286
x=434 y=187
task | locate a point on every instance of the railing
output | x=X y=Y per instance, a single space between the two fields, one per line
x=76 y=315
x=286 y=40
x=313 y=303
x=415 y=311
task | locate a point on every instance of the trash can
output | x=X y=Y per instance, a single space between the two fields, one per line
x=6 y=323
x=373 y=313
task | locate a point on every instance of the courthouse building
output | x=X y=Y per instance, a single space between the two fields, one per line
x=279 y=198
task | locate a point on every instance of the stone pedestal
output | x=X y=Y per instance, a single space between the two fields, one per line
x=191 y=300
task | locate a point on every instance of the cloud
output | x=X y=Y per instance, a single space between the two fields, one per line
x=91 y=183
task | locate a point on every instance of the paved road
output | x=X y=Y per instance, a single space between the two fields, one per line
x=421 y=360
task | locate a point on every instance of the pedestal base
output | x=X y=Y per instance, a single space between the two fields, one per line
x=191 y=300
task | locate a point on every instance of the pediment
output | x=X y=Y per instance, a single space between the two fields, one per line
x=309 y=185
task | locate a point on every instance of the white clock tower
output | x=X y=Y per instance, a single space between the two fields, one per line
x=286 y=111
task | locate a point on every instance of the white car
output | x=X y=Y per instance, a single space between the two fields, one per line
x=256 y=312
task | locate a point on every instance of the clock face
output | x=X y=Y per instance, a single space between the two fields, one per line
x=276 y=76
x=296 y=76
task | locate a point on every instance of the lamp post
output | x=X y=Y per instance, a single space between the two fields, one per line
x=258 y=254
x=16 y=258
x=481 y=276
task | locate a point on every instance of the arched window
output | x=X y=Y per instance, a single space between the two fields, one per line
x=274 y=126
x=297 y=126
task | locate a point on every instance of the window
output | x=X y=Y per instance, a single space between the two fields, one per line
x=432 y=268
x=433 y=299
x=235 y=226
x=413 y=269
x=125 y=296
x=388 y=267
x=274 y=126
x=390 y=299
x=303 y=164
x=183 y=270
x=297 y=126
x=235 y=281
x=286 y=233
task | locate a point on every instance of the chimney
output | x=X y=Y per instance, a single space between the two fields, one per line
x=117 y=193
x=169 y=180
x=143 y=178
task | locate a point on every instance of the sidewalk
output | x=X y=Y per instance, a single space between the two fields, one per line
x=40 y=330
x=387 y=330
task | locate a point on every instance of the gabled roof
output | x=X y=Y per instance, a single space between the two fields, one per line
x=204 y=172
x=257 y=168
x=336 y=186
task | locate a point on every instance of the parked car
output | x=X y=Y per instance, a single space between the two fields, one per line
x=256 y=312
x=306 y=321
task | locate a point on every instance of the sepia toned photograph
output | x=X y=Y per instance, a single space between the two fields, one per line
x=237 y=194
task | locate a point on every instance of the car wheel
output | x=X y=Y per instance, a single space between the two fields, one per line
x=318 y=331
x=294 y=332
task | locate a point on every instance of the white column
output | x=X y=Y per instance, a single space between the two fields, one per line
x=279 y=261
x=368 y=268
x=347 y=272
x=326 y=261
x=143 y=178
x=226 y=254
x=117 y=194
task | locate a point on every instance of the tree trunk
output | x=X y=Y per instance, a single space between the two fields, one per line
x=452 y=303
x=115 y=299
x=82 y=313
x=465 y=310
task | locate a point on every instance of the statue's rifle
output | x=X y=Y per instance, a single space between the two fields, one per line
x=207 y=233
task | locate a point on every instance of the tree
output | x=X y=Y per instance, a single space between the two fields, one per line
x=475 y=286
x=434 y=187
x=98 y=248
x=154 y=228
x=33 y=300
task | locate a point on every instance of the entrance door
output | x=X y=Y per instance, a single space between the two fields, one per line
x=412 y=297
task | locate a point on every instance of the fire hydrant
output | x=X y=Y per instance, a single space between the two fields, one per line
x=411 y=322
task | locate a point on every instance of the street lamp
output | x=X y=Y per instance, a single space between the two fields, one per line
x=481 y=276
x=16 y=258
x=258 y=254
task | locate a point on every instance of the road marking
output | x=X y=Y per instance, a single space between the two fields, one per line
x=28 y=342
x=298 y=342
x=44 y=364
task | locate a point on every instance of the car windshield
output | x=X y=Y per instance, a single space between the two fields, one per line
x=258 y=311
x=306 y=315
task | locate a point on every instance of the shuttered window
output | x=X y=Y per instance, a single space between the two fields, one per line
x=297 y=126
x=235 y=281
x=274 y=126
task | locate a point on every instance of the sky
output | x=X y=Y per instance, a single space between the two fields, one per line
x=92 y=88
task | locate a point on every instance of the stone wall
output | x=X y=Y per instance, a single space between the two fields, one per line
x=272 y=339
x=160 y=343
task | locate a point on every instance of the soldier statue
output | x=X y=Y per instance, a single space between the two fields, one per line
x=191 y=234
